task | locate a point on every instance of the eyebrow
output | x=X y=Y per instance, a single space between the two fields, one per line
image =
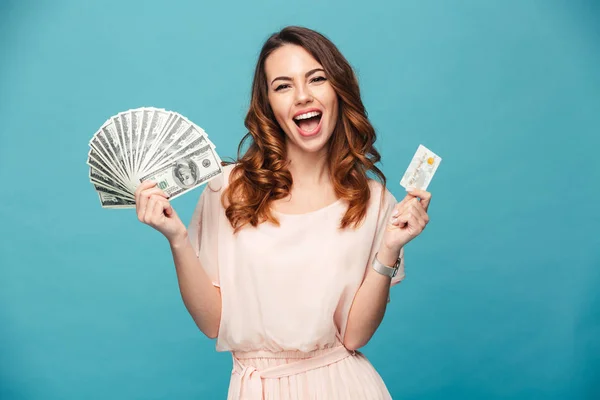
x=287 y=78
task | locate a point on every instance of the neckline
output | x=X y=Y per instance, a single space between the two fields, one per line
x=331 y=205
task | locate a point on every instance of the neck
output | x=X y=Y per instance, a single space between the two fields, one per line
x=308 y=169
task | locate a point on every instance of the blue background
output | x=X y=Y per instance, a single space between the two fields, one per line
x=501 y=297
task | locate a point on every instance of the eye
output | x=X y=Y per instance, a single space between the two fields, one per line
x=318 y=79
x=282 y=86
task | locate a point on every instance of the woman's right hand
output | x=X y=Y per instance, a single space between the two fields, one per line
x=153 y=208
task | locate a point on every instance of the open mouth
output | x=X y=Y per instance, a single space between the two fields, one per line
x=308 y=122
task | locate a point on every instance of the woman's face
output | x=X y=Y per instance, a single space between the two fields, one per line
x=302 y=99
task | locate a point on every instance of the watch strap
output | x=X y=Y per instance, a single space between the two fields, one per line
x=384 y=269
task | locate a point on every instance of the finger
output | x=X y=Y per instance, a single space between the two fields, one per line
x=401 y=206
x=417 y=209
x=168 y=208
x=153 y=215
x=423 y=195
x=141 y=187
x=154 y=191
x=416 y=224
x=145 y=195
x=141 y=204
x=148 y=211
x=419 y=221
x=412 y=222
x=403 y=210
x=158 y=210
x=401 y=220
x=412 y=216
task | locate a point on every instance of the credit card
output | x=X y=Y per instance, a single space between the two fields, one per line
x=421 y=169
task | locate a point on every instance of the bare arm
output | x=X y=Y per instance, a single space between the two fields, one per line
x=201 y=298
x=368 y=308
x=369 y=304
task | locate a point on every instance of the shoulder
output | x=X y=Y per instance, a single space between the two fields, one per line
x=216 y=187
x=221 y=181
x=380 y=195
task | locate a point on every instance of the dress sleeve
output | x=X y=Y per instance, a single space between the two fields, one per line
x=387 y=203
x=203 y=231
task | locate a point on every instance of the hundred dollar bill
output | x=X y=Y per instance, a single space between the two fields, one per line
x=101 y=187
x=201 y=132
x=111 y=134
x=97 y=176
x=100 y=166
x=158 y=120
x=117 y=131
x=170 y=135
x=136 y=123
x=421 y=169
x=101 y=150
x=144 y=123
x=111 y=201
x=125 y=120
x=187 y=172
x=190 y=145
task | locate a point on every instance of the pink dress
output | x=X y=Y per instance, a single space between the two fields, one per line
x=286 y=294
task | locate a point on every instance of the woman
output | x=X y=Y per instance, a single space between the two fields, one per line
x=291 y=252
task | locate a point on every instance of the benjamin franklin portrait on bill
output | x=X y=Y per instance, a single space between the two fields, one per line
x=185 y=173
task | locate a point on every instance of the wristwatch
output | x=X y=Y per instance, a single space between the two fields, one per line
x=384 y=269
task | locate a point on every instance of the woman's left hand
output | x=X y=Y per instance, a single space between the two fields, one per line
x=408 y=220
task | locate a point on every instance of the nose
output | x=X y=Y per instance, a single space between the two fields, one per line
x=303 y=94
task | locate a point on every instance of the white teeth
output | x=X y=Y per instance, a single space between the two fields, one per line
x=308 y=115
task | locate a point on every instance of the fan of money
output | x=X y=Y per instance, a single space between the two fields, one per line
x=149 y=144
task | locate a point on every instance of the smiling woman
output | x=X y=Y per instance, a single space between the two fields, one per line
x=305 y=104
x=290 y=254
x=301 y=103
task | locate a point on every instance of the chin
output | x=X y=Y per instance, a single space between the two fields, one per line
x=313 y=149
x=313 y=144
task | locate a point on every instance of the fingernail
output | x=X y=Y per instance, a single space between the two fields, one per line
x=394 y=219
x=395 y=212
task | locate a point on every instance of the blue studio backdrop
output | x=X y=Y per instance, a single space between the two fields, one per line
x=501 y=298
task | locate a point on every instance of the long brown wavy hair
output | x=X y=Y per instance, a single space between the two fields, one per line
x=260 y=175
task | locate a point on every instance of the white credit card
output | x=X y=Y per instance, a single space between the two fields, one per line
x=421 y=169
